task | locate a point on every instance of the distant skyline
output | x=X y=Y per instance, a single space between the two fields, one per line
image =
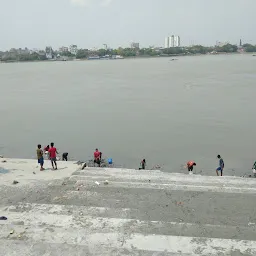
x=92 y=23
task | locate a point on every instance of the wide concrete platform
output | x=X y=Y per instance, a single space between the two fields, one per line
x=123 y=212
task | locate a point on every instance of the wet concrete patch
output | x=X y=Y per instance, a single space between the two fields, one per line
x=3 y=171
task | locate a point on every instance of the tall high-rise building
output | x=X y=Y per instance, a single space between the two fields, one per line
x=176 y=41
x=172 y=41
x=73 y=49
x=166 y=42
x=49 y=52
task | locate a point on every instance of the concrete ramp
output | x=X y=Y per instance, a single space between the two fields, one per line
x=147 y=213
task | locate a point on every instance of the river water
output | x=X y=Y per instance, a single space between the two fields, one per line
x=165 y=111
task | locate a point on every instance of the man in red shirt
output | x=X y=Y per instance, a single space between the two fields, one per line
x=97 y=157
x=190 y=165
x=52 y=153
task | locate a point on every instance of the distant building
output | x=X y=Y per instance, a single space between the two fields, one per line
x=73 y=49
x=63 y=49
x=49 y=52
x=167 y=42
x=135 y=45
x=176 y=41
x=172 y=41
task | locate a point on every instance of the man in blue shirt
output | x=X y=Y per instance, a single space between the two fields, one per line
x=221 y=166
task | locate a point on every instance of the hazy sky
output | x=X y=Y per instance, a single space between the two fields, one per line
x=91 y=23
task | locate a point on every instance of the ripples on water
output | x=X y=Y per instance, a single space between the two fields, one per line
x=166 y=112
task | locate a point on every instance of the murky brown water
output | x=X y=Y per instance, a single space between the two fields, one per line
x=166 y=111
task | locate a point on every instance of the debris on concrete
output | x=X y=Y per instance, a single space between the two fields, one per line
x=3 y=218
x=11 y=232
x=15 y=182
x=97 y=183
x=34 y=173
x=1 y=156
x=4 y=161
x=106 y=182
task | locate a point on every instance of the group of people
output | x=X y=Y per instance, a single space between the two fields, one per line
x=220 y=168
x=51 y=152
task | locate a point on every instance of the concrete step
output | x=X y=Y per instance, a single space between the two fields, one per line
x=138 y=241
x=32 y=216
x=19 y=248
x=137 y=213
x=164 y=176
x=152 y=204
x=164 y=184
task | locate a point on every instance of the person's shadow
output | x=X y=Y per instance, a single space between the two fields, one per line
x=50 y=169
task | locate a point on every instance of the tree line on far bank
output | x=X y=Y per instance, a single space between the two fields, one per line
x=130 y=52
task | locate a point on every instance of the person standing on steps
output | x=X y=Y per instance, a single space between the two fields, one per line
x=97 y=157
x=143 y=164
x=46 y=151
x=40 y=156
x=190 y=166
x=52 y=152
x=221 y=166
x=254 y=169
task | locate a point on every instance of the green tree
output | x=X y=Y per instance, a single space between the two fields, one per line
x=82 y=54
x=227 y=48
x=249 y=48
x=148 y=52
x=174 y=51
x=102 y=52
x=67 y=54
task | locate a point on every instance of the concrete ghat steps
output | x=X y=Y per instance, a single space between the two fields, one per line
x=94 y=220
x=122 y=240
x=158 y=175
x=166 y=185
x=19 y=248
x=171 y=215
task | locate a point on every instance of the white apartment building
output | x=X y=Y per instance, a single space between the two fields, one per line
x=49 y=52
x=172 y=41
x=73 y=49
